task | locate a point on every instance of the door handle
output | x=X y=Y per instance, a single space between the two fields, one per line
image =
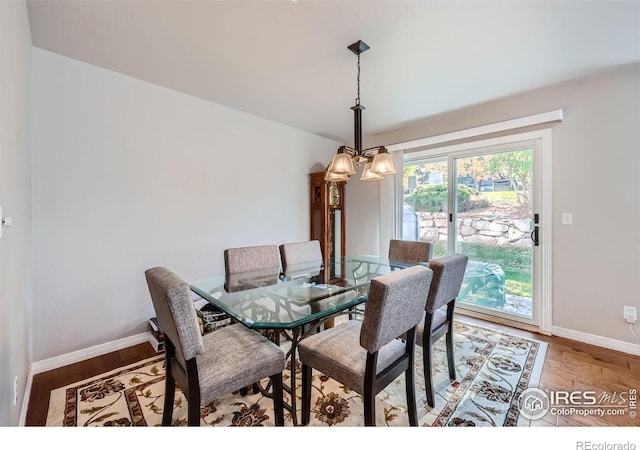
x=535 y=236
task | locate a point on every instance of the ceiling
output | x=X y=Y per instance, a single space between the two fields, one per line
x=288 y=61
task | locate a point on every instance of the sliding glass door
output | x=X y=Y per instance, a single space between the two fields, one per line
x=480 y=202
x=493 y=227
x=426 y=205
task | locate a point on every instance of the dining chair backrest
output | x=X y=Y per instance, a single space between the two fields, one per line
x=300 y=252
x=245 y=259
x=448 y=273
x=400 y=250
x=175 y=312
x=395 y=304
x=250 y=279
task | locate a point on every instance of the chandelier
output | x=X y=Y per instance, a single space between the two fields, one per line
x=377 y=160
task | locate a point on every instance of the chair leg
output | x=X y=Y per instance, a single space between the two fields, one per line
x=278 y=409
x=450 y=360
x=169 y=397
x=244 y=391
x=193 y=419
x=369 y=391
x=306 y=394
x=428 y=378
x=411 y=395
x=369 y=401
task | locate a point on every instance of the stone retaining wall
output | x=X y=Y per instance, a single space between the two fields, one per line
x=478 y=229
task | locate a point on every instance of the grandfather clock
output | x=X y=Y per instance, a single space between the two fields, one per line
x=328 y=221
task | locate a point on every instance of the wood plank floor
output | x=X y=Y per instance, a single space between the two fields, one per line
x=44 y=383
x=569 y=365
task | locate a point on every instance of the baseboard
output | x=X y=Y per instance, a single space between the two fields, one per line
x=600 y=341
x=74 y=357
x=25 y=400
x=90 y=352
x=580 y=336
x=501 y=321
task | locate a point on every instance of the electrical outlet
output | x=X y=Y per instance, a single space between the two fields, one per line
x=630 y=314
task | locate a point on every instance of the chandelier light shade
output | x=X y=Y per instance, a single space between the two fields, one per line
x=368 y=174
x=383 y=163
x=378 y=161
x=332 y=176
x=342 y=163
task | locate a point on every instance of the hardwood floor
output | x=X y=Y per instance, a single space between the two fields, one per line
x=569 y=365
x=576 y=366
x=44 y=383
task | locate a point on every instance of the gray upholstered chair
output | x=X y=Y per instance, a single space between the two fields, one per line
x=448 y=272
x=300 y=253
x=367 y=355
x=400 y=250
x=246 y=259
x=242 y=263
x=210 y=366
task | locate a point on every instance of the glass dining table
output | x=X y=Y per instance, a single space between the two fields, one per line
x=302 y=299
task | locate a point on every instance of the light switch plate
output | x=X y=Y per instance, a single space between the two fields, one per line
x=567 y=218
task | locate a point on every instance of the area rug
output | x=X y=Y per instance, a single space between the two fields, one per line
x=493 y=368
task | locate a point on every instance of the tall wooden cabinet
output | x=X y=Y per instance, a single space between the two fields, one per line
x=328 y=218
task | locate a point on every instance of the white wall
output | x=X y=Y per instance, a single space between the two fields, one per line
x=596 y=175
x=363 y=230
x=128 y=175
x=15 y=199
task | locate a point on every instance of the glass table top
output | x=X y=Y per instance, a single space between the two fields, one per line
x=303 y=293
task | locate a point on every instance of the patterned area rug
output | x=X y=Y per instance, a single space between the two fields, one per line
x=493 y=368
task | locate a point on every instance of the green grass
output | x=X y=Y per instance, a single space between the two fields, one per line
x=518 y=288
x=515 y=261
x=500 y=196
